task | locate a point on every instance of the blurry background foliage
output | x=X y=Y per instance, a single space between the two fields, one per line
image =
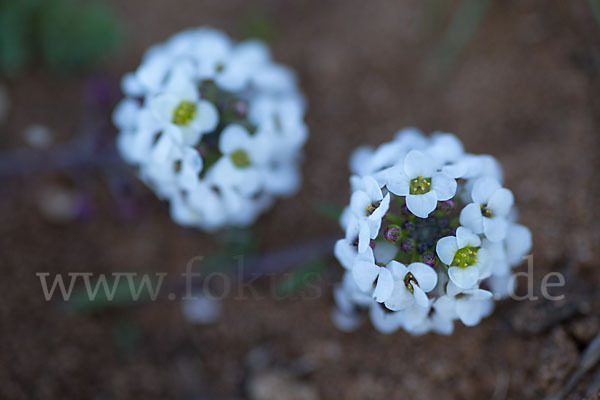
x=62 y=35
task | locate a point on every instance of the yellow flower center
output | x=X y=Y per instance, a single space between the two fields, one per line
x=486 y=212
x=240 y=158
x=409 y=280
x=465 y=257
x=184 y=113
x=420 y=185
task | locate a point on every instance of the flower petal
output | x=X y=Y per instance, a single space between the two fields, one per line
x=345 y=253
x=501 y=202
x=234 y=137
x=483 y=189
x=425 y=275
x=446 y=248
x=518 y=243
x=400 y=299
x=465 y=237
x=382 y=209
x=441 y=325
x=163 y=106
x=446 y=306
x=418 y=164
x=452 y=290
x=207 y=116
x=398 y=269
x=464 y=278
x=468 y=311
x=385 y=252
x=443 y=185
x=383 y=321
x=422 y=205
x=364 y=274
x=364 y=238
x=372 y=189
x=471 y=217
x=397 y=182
x=495 y=228
x=420 y=296
x=384 y=287
x=484 y=263
x=359 y=201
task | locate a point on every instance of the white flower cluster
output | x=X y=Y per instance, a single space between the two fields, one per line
x=214 y=127
x=430 y=238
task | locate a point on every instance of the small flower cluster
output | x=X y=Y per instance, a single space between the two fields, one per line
x=214 y=127
x=430 y=238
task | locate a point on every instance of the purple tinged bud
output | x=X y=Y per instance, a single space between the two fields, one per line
x=408 y=226
x=392 y=234
x=407 y=245
x=447 y=205
x=429 y=258
x=240 y=108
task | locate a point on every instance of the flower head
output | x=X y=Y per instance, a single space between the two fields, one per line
x=416 y=253
x=216 y=128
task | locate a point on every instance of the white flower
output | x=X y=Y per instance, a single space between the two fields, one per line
x=183 y=113
x=466 y=260
x=409 y=285
x=422 y=185
x=470 y=305
x=491 y=205
x=232 y=68
x=243 y=155
x=282 y=117
x=445 y=148
x=368 y=206
x=365 y=272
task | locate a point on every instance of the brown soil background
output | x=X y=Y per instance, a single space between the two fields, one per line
x=525 y=90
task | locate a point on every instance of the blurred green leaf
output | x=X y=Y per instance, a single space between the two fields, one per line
x=126 y=336
x=595 y=9
x=458 y=34
x=119 y=293
x=257 y=25
x=63 y=35
x=329 y=210
x=15 y=35
x=74 y=37
x=300 y=278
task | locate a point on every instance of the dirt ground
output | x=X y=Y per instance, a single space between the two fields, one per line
x=525 y=89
